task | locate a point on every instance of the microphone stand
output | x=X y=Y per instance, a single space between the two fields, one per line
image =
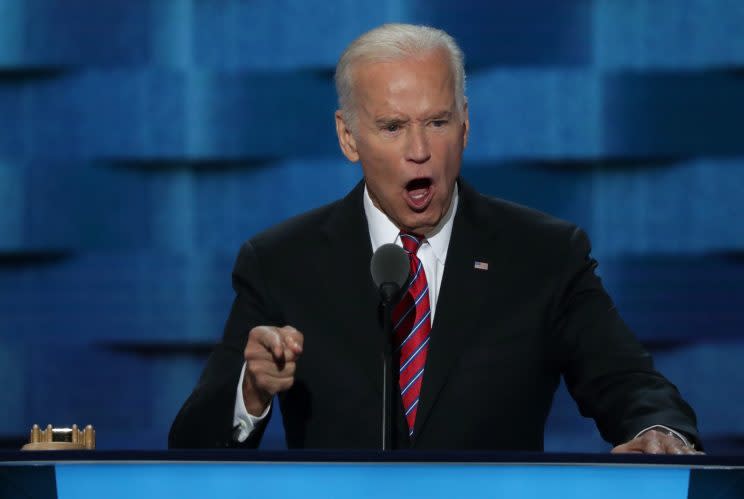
x=389 y=291
x=390 y=267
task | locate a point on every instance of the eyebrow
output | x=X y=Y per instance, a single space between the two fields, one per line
x=386 y=120
x=441 y=114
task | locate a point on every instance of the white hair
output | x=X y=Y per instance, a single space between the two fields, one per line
x=390 y=42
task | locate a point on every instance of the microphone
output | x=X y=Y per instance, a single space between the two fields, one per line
x=389 y=267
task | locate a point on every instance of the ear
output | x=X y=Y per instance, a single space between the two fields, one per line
x=465 y=125
x=346 y=138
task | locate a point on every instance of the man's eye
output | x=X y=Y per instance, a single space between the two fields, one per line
x=392 y=127
x=439 y=123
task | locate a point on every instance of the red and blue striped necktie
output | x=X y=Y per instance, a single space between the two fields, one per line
x=411 y=327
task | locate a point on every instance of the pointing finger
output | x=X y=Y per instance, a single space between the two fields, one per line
x=292 y=340
x=270 y=339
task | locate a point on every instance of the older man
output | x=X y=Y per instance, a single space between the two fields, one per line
x=501 y=301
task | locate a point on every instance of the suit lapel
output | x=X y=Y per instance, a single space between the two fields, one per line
x=353 y=297
x=461 y=299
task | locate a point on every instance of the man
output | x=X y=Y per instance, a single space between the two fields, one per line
x=502 y=300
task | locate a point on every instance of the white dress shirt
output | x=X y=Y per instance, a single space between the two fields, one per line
x=432 y=253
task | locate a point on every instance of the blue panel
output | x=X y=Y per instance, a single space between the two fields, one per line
x=567 y=431
x=266 y=115
x=234 y=206
x=77 y=205
x=688 y=207
x=84 y=31
x=274 y=437
x=175 y=114
x=170 y=32
x=678 y=299
x=87 y=113
x=673 y=114
x=77 y=384
x=96 y=113
x=16 y=386
x=172 y=211
x=118 y=296
x=58 y=116
x=13 y=213
x=284 y=34
x=13 y=117
x=166 y=117
x=562 y=193
x=526 y=33
x=533 y=114
x=631 y=208
x=11 y=32
x=172 y=381
x=643 y=34
x=707 y=375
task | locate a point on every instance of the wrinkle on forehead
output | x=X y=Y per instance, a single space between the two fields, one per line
x=394 y=86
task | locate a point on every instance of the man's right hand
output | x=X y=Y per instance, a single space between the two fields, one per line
x=270 y=362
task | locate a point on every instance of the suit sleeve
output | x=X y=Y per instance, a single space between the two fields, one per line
x=206 y=418
x=607 y=371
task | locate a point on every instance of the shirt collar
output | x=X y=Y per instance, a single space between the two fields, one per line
x=382 y=230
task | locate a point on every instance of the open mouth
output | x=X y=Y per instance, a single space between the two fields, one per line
x=418 y=193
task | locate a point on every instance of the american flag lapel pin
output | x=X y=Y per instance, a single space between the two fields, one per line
x=478 y=265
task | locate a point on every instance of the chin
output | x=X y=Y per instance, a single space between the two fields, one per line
x=420 y=224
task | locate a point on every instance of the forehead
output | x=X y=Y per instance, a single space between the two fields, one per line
x=411 y=81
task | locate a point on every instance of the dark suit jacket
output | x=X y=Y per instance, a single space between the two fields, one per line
x=500 y=340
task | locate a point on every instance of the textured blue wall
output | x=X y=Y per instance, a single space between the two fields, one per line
x=141 y=141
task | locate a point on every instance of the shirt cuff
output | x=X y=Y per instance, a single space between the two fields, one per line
x=243 y=422
x=668 y=431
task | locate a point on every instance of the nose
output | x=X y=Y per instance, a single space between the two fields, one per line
x=418 y=145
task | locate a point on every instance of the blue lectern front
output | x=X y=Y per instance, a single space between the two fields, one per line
x=241 y=474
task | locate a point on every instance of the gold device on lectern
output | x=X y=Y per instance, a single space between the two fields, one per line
x=61 y=438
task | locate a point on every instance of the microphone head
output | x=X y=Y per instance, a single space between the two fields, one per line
x=389 y=267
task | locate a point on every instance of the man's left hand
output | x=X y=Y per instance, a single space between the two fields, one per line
x=655 y=442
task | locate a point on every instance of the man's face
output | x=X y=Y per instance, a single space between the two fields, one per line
x=409 y=137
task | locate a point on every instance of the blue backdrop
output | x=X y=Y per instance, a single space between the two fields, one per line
x=141 y=141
